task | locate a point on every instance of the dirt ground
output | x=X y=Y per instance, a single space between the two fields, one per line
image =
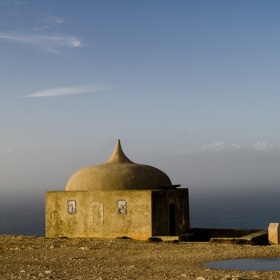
x=25 y=257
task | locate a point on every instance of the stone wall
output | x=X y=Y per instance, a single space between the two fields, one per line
x=104 y=214
x=108 y=214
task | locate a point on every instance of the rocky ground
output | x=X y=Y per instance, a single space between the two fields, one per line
x=24 y=257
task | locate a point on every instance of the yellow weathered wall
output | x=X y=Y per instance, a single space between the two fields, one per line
x=97 y=215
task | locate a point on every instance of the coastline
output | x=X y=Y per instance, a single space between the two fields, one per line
x=27 y=257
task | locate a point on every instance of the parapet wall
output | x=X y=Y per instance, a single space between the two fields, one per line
x=234 y=236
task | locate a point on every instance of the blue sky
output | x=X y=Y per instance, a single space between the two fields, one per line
x=190 y=87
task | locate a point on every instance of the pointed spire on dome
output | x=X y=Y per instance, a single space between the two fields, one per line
x=118 y=155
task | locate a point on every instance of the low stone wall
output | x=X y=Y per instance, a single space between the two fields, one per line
x=235 y=236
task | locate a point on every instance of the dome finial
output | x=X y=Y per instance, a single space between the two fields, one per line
x=118 y=155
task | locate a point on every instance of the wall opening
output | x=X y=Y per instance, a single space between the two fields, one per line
x=172 y=223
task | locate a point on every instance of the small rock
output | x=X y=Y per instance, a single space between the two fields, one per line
x=227 y=277
x=154 y=239
x=84 y=248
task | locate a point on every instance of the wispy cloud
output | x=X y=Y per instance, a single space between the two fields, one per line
x=220 y=146
x=49 y=21
x=70 y=90
x=217 y=146
x=237 y=146
x=46 y=43
x=262 y=146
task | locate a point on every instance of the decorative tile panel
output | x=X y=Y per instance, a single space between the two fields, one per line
x=122 y=207
x=72 y=206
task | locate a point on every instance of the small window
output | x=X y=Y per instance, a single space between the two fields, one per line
x=71 y=205
x=122 y=207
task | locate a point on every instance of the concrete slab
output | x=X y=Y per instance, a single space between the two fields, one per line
x=258 y=238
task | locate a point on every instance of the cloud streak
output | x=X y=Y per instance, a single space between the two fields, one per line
x=217 y=146
x=69 y=91
x=49 y=21
x=262 y=146
x=220 y=146
x=46 y=43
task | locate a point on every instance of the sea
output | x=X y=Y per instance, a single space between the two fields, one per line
x=25 y=215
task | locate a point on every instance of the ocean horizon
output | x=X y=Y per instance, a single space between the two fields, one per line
x=23 y=215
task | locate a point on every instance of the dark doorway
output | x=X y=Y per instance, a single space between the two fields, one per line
x=172 y=223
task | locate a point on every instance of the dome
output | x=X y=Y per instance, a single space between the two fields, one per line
x=118 y=173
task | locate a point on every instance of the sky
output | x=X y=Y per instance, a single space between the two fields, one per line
x=190 y=87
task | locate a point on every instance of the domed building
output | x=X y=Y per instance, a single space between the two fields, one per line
x=118 y=198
